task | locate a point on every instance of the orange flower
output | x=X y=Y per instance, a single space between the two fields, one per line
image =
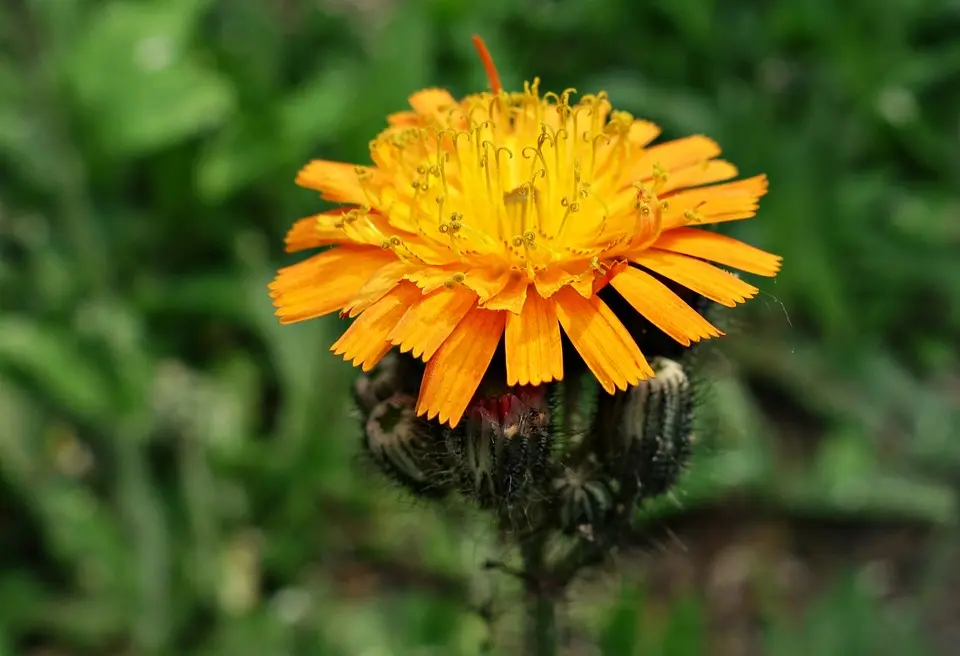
x=501 y=216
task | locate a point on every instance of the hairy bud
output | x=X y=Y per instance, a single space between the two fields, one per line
x=583 y=497
x=405 y=447
x=394 y=374
x=502 y=449
x=643 y=436
x=656 y=428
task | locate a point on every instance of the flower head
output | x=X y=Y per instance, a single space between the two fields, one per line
x=500 y=216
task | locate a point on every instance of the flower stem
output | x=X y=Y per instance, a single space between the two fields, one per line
x=540 y=628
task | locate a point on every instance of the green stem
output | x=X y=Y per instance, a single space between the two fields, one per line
x=540 y=629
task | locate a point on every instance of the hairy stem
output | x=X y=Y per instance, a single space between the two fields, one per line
x=540 y=623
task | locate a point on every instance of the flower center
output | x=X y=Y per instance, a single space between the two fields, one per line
x=517 y=180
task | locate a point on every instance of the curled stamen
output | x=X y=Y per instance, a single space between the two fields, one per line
x=497 y=102
x=579 y=109
x=470 y=120
x=536 y=154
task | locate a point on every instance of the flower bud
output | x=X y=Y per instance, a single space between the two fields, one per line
x=583 y=498
x=503 y=447
x=395 y=373
x=655 y=431
x=406 y=447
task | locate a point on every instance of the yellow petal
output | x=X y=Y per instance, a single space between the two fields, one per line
x=454 y=373
x=602 y=340
x=703 y=278
x=532 y=343
x=724 y=202
x=720 y=249
x=325 y=282
x=662 y=307
x=365 y=341
x=336 y=181
x=428 y=323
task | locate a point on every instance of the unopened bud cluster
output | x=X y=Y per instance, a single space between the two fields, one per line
x=515 y=454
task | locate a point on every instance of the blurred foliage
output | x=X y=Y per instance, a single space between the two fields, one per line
x=178 y=472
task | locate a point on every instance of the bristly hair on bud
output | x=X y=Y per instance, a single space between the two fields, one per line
x=657 y=429
x=584 y=498
x=404 y=446
x=502 y=451
x=394 y=374
x=643 y=436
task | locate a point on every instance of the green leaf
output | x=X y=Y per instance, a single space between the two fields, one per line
x=138 y=81
x=312 y=113
x=620 y=636
x=684 y=633
x=53 y=360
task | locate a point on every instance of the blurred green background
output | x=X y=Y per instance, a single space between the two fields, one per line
x=180 y=475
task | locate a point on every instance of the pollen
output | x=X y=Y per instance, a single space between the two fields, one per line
x=517 y=180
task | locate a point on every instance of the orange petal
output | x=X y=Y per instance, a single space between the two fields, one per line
x=662 y=307
x=552 y=279
x=486 y=282
x=383 y=280
x=612 y=270
x=335 y=181
x=511 y=298
x=532 y=343
x=317 y=230
x=723 y=202
x=701 y=173
x=430 y=279
x=672 y=155
x=403 y=119
x=454 y=373
x=433 y=103
x=721 y=249
x=428 y=323
x=365 y=341
x=705 y=279
x=325 y=282
x=602 y=341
